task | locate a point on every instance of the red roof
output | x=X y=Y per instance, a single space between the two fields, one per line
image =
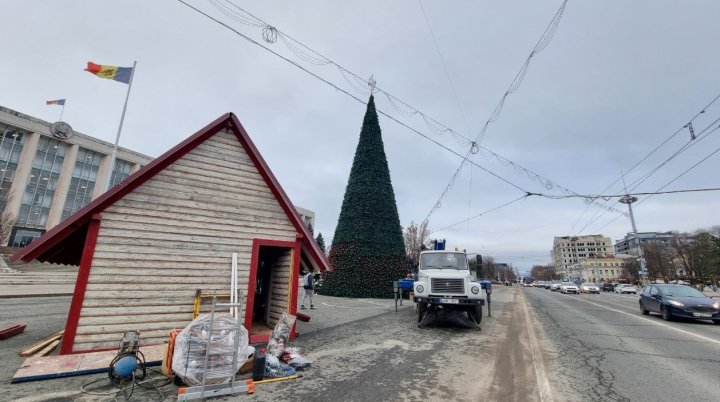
x=64 y=243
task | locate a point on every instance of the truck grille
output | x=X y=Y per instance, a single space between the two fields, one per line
x=447 y=286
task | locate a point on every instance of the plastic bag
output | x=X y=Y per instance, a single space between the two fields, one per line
x=192 y=343
x=274 y=368
x=280 y=335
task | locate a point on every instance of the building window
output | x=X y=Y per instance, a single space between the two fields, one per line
x=11 y=144
x=40 y=190
x=120 y=172
x=82 y=182
x=22 y=237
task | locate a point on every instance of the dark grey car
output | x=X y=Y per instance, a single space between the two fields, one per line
x=678 y=301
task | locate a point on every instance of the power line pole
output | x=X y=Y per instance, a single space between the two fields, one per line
x=629 y=200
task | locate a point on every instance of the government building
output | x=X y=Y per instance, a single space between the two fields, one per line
x=48 y=172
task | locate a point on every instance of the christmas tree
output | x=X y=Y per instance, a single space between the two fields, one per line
x=367 y=251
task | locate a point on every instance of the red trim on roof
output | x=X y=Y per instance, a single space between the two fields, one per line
x=71 y=324
x=64 y=243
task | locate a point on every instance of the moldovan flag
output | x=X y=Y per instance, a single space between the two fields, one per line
x=121 y=74
x=56 y=102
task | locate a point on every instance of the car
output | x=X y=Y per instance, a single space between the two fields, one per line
x=569 y=287
x=555 y=286
x=608 y=287
x=672 y=300
x=625 y=288
x=589 y=287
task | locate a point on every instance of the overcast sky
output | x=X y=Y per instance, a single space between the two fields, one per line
x=618 y=78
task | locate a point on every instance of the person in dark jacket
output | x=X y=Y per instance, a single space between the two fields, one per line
x=308 y=284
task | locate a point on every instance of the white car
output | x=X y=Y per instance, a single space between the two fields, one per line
x=625 y=288
x=555 y=286
x=588 y=287
x=569 y=287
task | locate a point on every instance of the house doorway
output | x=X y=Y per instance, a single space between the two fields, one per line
x=272 y=287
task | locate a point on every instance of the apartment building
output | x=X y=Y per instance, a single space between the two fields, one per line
x=568 y=250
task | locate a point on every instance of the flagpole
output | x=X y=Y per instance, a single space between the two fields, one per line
x=62 y=110
x=117 y=137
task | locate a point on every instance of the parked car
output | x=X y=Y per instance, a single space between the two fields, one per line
x=608 y=287
x=589 y=287
x=555 y=286
x=678 y=301
x=569 y=287
x=625 y=288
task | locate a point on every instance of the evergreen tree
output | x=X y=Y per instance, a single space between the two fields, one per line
x=321 y=242
x=368 y=251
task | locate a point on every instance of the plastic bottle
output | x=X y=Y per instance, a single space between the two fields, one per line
x=259 y=366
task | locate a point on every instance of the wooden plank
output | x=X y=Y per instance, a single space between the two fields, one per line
x=189 y=166
x=149 y=256
x=12 y=330
x=138 y=302
x=150 y=225
x=191 y=238
x=220 y=194
x=41 y=344
x=99 y=311
x=40 y=368
x=193 y=217
x=193 y=204
x=119 y=246
x=138 y=279
x=47 y=349
x=135 y=318
x=109 y=268
x=130 y=294
x=121 y=328
x=139 y=287
x=114 y=337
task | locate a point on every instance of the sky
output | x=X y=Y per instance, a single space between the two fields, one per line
x=616 y=80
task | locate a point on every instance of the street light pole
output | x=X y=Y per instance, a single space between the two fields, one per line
x=627 y=199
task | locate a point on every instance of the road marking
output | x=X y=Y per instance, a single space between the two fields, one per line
x=540 y=374
x=653 y=322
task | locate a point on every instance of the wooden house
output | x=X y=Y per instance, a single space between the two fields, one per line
x=146 y=245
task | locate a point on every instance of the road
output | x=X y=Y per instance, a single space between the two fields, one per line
x=601 y=348
x=537 y=346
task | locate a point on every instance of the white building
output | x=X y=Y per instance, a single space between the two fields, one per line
x=568 y=250
x=48 y=172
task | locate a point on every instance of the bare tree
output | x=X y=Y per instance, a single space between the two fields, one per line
x=7 y=221
x=415 y=236
x=659 y=262
x=487 y=270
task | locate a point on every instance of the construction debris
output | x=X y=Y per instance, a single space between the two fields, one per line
x=43 y=345
x=12 y=331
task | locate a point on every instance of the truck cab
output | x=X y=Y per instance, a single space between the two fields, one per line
x=444 y=285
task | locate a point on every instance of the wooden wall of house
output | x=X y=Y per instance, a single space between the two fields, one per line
x=172 y=235
x=280 y=285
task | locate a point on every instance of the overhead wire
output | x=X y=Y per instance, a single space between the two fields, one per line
x=444 y=66
x=644 y=158
x=495 y=115
x=341 y=90
x=483 y=213
x=635 y=184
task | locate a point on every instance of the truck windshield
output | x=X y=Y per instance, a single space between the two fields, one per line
x=455 y=261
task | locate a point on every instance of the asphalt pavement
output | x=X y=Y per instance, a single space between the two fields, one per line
x=600 y=348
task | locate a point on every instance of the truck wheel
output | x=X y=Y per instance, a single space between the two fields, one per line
x=475 y=315
x=421 y=310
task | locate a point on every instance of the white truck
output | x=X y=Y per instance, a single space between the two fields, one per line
x=445 y=286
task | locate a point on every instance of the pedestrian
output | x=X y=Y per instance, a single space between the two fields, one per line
x=308 y=285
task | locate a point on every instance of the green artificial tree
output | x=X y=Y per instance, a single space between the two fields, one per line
x=367 y=251
x=320 y=242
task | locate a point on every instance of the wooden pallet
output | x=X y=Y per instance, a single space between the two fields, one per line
x=47 y=367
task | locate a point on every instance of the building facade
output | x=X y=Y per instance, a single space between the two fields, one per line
x=597 y=269
x=629 y=244
x=568 y=250
x=48 y=173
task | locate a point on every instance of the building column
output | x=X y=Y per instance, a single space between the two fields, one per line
x=22 y=173
x=104 y=172
x=62 y=187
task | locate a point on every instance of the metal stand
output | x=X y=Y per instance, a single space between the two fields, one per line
x=229 y=388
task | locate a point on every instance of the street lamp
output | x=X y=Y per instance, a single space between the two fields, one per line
x=628 y=199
